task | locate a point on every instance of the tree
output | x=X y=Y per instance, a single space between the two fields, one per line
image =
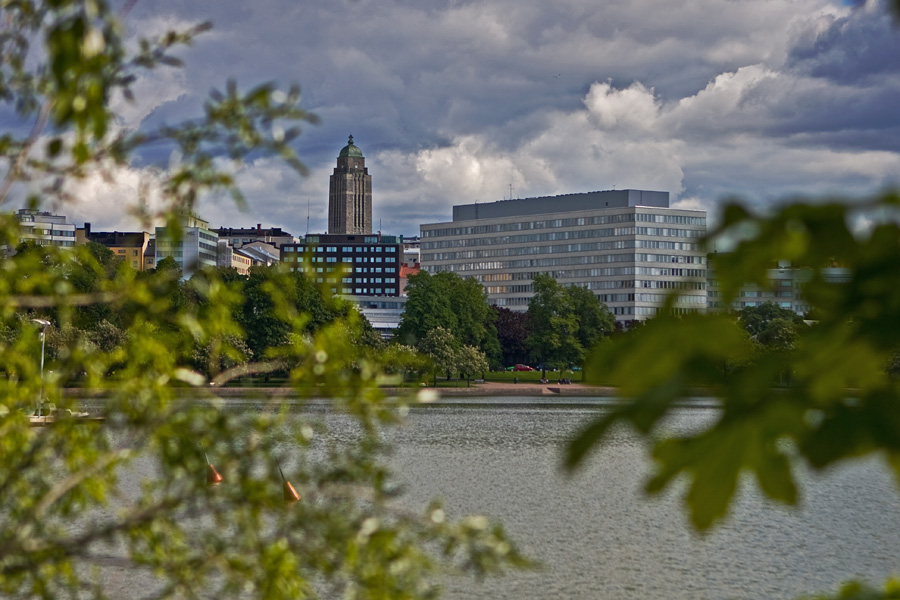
x=595 y=321
x=840 y=403
x=470 y=360
x=512 y=333
x=554 y=325
x=405 y=361
x=67 y=498
x=443 y=349
x=756 y=319
x=453 y=302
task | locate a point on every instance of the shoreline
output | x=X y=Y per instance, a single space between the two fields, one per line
x=479 y=389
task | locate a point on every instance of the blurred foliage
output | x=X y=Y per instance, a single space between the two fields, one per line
x=80 y=500
x=858 y=591
x=839 y=402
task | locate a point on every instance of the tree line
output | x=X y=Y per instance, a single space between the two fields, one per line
x=561 y=325
x=258 y=333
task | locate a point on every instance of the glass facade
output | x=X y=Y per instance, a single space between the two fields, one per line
x=368 y=265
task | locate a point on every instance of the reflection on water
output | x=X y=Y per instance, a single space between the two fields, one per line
x=598 y=537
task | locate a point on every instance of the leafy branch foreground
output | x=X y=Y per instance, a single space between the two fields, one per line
x=72 y=505
x=71 y=500
x=840 y=401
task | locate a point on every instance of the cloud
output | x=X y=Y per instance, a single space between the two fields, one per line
x=111 y=197
x=456 y=101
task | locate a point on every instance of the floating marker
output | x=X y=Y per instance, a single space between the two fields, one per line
x=290 y=494
x=212 y=476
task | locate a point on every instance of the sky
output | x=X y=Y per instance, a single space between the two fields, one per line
x=455 y=101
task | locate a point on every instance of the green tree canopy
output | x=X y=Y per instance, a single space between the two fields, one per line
x=564 y=322
x=447 y=300
x=554 y=326
x=595 y=321
x=756 y=319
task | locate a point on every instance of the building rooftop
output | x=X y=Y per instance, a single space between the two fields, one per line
x=258 y=230
x=351 y=150
x=118 y=238
x=561 y=203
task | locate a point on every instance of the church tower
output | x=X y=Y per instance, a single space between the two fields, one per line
x=350 y=193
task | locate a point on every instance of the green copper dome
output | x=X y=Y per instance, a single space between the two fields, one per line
x=350 y=150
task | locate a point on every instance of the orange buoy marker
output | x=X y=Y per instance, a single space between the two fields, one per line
x=290 y=494
x=212 y=476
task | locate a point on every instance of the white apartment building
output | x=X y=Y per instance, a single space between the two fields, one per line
x=195 y=250
x=45 y=229
x=627 y=246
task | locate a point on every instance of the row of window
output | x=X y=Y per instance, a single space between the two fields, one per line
x=60 y=243
x=570 y=260
x=641 y=297
x=355 y=260
x=625 y=284
x=52 y=232
x=560 y=249
x=581 y=274
x=510 y=289
x=670 y=219
x=648 y=311
x=559 y=236
x=671 y=258
x=344 y=249
x=764 y=294
x=571 y=222
x=356 y=271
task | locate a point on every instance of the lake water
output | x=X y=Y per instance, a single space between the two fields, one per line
x=598 y=537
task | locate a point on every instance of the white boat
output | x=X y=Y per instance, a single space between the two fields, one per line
x=53 y=414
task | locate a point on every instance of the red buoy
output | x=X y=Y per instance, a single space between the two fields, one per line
x=212 y=476
x=290 y=494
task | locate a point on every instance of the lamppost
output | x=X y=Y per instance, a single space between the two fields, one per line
x=44 y=323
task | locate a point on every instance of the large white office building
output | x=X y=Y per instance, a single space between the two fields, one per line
x=627 y=246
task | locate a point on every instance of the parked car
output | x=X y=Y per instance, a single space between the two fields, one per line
x=522 y=368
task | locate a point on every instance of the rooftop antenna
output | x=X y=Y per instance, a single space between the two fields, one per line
x=510 y=191
x=307 y=215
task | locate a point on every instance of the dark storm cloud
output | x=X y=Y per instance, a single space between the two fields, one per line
x=858 y=50
x=455 y=101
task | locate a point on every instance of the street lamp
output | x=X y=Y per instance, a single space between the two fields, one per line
x=44 y=323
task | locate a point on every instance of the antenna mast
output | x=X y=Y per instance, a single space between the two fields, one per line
x=307 y=215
